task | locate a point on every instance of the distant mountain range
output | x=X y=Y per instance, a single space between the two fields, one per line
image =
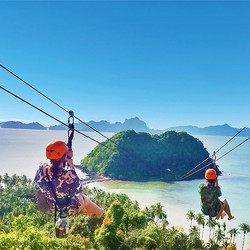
x=20 y=125
x=224 y=130
x=104 y=126
x=132 y=123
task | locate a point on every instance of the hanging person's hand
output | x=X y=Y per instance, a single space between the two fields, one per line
x=69 y=154
x=69 y=159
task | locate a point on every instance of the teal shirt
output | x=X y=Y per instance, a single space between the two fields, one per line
x=210 y=203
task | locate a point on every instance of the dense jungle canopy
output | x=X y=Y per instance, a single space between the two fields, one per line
x=142 y=157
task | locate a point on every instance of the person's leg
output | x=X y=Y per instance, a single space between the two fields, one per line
x=221 y=214
x=86 y=205
x=227 y=209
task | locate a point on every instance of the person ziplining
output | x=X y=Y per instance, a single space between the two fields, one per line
x=61 y=188
x=210 y=192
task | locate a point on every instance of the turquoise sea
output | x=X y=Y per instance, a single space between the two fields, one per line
x=21 y=152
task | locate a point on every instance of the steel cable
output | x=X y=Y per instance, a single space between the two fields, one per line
x=124 y=149
x=44 y=112
x=185 y=175
x=218 y=158
x=12 y=73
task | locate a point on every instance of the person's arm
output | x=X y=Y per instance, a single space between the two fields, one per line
x=69 y=159
x=216 y=182
x=74 y=181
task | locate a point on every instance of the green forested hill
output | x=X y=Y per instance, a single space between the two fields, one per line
x=141 y=156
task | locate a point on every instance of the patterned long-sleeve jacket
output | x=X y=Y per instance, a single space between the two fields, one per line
x=66 y=185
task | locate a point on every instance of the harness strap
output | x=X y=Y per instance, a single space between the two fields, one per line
x=56 y=203
x=55 y=213
x=71 y=129
x=53 y=191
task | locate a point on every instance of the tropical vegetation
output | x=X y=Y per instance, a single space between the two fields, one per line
x=124 y=225
x=140 y=156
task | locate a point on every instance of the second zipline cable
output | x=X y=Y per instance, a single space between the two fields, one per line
x=217 y=159
x=18 y=97
x=188 y=173
x=45 y=96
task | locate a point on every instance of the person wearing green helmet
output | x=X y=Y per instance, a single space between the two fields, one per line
x=210 y=192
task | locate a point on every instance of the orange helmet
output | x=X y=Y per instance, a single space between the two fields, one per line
x=56 y=149
x=210 y=174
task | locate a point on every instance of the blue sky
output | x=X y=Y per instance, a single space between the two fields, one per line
x=167 y=62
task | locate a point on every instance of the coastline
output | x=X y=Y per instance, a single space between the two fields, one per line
x=91 y=180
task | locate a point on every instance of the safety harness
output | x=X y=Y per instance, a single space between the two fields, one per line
x=66 y=201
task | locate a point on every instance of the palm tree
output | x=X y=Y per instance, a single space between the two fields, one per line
x=152 y=212
x=214 y=223
x=211 y=224
x=200 y=221
x=212 y=245
x=161 y=216
x=224 y=225
x=219 y=235
x=245 y=228
x=194 y=231
x=158 y=210
x=191 y=216
x=203 y=227
x=164 y=222
x=137 y=206
x=233 y=233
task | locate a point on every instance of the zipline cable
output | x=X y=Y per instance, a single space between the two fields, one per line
x=184 y=176
x=45 y=96
x=218 y=158
x=66 y=125
x=233 y=148
x=195 y=167
x=197 y=171
x=33 y=88
x=18 y=97
x=229 y=140
x=12 y=73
